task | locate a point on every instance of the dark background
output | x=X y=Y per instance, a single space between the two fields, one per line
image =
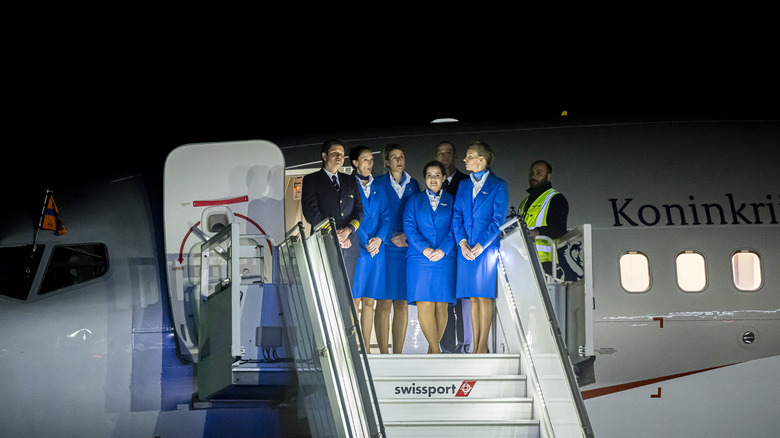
x=113 y=95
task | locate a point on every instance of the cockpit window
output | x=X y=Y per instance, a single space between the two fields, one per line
x=74 y=264
x=18 y=266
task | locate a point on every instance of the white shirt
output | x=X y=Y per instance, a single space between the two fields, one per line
x=433 y=198
x=367 y=187
x=399 y=188
x=331 y=175
x=478 y=184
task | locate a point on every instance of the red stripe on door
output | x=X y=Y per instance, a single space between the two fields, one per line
x=220 y=202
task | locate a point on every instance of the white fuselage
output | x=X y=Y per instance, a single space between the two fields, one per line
x=100 y=357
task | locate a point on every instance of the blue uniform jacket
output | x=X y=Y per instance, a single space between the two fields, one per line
x=395 y=204
x=376 y=216
x=478 y=221
x=370 y=272
x=426 y=228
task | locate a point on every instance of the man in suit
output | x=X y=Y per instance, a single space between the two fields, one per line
x=456 y=336
x=446 y=155
x=330 y=193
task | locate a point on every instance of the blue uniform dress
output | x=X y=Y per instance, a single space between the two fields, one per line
x=478 y=220
x=426 y=228
x=395 y=259
x=370 y=271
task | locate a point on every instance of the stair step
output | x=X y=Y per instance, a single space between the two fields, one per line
x=443 y=387
x=394 y=365
x=458 y=429
x=502 y=409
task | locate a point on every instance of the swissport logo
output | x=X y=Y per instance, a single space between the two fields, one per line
x=432 y=390
x=465 y=388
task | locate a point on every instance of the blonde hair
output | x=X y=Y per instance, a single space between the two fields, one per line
x=483 y=150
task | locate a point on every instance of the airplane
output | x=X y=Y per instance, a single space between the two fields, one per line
x=666 y=295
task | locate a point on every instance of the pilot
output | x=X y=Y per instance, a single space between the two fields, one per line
x=455 y=336
x=398 y=186
x=480 y=209
x=330 y=193
x=544 y=211
x=370 y=278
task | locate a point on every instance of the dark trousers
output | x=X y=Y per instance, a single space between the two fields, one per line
x=453 y=333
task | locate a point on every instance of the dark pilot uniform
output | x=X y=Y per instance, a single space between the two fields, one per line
x=320 y=200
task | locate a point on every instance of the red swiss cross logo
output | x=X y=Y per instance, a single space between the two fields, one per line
x=465 y=388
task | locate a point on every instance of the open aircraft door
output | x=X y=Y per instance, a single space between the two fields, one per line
x=223 y=214
x=571 y=292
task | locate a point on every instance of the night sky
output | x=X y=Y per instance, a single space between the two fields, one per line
x=79 y=109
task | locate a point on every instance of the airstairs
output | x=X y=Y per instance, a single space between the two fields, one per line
x=525 y=387
x=453 y=395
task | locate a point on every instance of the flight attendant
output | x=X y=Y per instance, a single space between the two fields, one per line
x=330 y=193
x=480 y=209
x=398 y=186
x=369 y=282
x=430 y=259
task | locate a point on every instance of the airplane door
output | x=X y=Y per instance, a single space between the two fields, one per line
x=571 y=293
x=223 y=207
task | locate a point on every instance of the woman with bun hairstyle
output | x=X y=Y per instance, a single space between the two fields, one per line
x=480 y=209
x=430 y=259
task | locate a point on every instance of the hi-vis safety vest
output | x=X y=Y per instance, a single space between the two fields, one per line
x=536 y=216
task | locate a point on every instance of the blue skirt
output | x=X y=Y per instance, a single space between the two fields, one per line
x=477 y=278
x=430 y=281
x=370 y=275
x=395 y=262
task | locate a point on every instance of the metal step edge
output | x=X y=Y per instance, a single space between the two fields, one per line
x=439 y=423
x=443 y=356
x=519 y=377
x=461 y=400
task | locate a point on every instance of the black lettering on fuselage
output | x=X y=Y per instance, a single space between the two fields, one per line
x=656 y=215
x=693 y=209
x=709 y=217
x=715 y=213
x=771 y=209
x=619 y=213
x=736 y=212
x=669 y=220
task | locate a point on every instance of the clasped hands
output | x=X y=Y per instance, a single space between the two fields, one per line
x=343 y=235
x=373 y=246
x=433 y=255
x=470 y=252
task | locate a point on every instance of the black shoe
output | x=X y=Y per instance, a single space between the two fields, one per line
x=444 y=350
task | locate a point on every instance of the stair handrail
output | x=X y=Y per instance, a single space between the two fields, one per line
x=337 y=346
x=512 y=226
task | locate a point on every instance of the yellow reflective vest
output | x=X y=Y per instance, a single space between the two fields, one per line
x=535 y=216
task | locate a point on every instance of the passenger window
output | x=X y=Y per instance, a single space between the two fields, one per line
x=634 y=272
x=746 y=269
x=691 y=271
x=74 y=264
